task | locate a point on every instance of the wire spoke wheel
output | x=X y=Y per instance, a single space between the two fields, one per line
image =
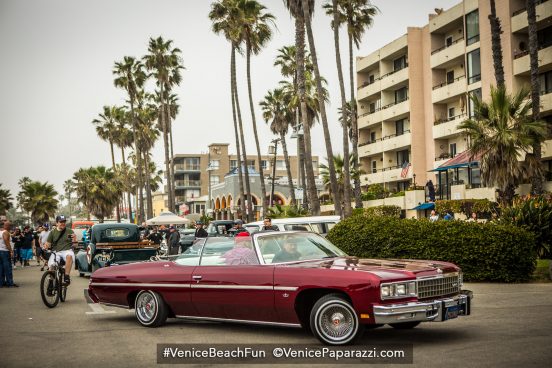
x=49 y=289
x=146 y=307
x=334 y=321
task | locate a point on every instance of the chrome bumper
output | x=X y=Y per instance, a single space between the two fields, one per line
x=437 y=310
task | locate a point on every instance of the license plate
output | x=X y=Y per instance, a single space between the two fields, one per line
x=452 y=312
x=103 y=258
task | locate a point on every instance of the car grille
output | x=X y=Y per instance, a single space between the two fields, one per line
x=433 y=287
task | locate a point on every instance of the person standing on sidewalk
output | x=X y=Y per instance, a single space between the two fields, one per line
x=6 y=253
x=27 y=246
x=17 y=240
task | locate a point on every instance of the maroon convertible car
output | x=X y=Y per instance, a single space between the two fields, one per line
x=294 y=279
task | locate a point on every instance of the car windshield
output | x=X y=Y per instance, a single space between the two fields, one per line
x=221 y=251
x=281 y=247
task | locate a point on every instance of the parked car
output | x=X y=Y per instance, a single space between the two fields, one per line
x=288 y=279
x=78 y=227
x=317 y=224
x=219 y=227
x=113 y=244
x=187 y=237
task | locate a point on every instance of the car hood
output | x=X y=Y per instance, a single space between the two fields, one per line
x=382 y=268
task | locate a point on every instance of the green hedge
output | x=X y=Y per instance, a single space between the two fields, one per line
x=485 y=252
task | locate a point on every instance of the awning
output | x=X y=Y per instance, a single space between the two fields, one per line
x=463 y=159
x=425 y=206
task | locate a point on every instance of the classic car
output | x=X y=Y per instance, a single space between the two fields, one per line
x=291 y=278
x=219 y=227
x=187 y=237
x=317 y=224
x=113 y=244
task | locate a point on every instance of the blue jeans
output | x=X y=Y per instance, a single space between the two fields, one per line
x=6 y=275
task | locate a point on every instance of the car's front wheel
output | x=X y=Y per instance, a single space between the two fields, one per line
x=150 y=309
x=334 y=322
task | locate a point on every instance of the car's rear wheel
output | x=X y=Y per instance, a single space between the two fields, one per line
x=333 y=321
x=150 y=309
x=404 y=325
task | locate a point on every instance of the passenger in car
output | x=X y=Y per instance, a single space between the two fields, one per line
x=242 y=253
x=288 y=252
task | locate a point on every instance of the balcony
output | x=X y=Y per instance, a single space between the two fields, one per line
x=183 y=167
x=385 y=175
x=446 y=56
x=444 y=19
x=364 y=63
x=546 y=102
x=370 y=148
x=395 y=109
x=394 y=142
x=369 y=89
x=448 y=128
x=521 y=60
x=181 y=184
x=519 y=18
x=444 y=91
x=547 y=149
x=392 y=79
x=369 y=118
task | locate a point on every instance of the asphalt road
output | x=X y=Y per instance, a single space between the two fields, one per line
x=510 y=326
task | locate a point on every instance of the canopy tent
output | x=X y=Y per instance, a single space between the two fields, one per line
x=464 y=159
x=425 y=206
x=167 y=218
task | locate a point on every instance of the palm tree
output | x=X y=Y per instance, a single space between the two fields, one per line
x=340 y=171
x=165 y=64
x=359 y=16
x=38 y=199
x=226 y=19
x=331 y=9
x=99 y=189
x=123 y=139
x=106 y=128
x=500 y=132
x=496 y=30
x=131 y=77
x=148 y=135
x=69 y=189
x=537 y=180
x=276 y=111
x=5 y=200
x=307 y=12
x=256 y=34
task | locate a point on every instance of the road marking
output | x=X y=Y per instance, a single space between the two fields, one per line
x=97 y=309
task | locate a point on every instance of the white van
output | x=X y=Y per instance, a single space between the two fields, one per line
x=317 y=224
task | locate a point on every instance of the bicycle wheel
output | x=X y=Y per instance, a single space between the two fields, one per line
x=49 y=289
x=62 y=288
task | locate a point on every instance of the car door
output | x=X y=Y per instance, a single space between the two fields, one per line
x=232 y=290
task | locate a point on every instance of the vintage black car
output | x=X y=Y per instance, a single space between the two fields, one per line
x=113 y=244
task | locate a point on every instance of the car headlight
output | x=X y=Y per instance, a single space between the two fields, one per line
x=402 y=289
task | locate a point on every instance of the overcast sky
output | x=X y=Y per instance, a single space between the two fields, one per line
x=56 y=67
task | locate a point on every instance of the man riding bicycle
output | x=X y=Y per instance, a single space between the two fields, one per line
x=61 y=240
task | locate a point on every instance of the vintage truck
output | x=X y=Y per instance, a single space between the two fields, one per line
x=113 y=244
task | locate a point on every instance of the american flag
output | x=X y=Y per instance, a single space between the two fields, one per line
x=405 y=168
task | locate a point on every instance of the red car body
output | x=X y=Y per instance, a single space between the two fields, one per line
x=286 y=293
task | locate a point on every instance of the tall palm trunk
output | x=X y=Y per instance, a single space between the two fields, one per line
x=354 y=127
x=238 y=150
x=149 y=198
x=128 y=193
x=169 y=128
x=496 y=30
x=536 y=180
x=117 y=213
x=301 y=154
x=166 y=145
x=288 y=169
x=140 y=210
x=324 y=118
x=251 y=107
x=346 y=169
x=314 y=202
x=248 y=197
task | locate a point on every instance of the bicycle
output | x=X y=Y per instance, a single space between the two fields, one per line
x=52 y=286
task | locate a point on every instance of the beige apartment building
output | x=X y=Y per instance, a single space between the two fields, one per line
x=413 y=93
x=194 y=173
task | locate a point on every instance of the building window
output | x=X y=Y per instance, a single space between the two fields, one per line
x=191 y=163
x=372 y=108
x=374 y=166
x=402 y=157
x=280 y=165
x=450 y=77
x=544 y=37
x=214 y=164
x=448 y=41
x=474 y=67
x=372 y=137
x=191 y=194
x=401 y=95
x=215 y=179
x=545 y=83
x=371 y=79
x=473 y=94
x=315 y=165
x=452 y=149
x=264 y=164
x=400 y=63
x=233 y=164
x=399 y=127
x=451 y=113
x=472 y=27
x=251 y=164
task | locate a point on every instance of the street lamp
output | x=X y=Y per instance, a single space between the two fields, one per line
x=414 y=179
x=272 y=150
x=210 y=168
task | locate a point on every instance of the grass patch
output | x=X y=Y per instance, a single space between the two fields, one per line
x=542 y=272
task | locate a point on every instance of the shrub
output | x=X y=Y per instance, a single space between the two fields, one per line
x=533 y=214
x=279 y=211
x=466 y=206
x=485 y=252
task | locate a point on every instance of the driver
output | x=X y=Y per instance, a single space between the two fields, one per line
x=288 y=252
x=61 y=240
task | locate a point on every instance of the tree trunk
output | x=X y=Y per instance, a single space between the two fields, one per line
x=354 y=129
x=346 y=169
x=288 y=168
x=314 y=202
x=149 y=198
x=166 y=145
x=169 y=128
x=130 y=219
x=496 y=30
x=248 y=197
x=140 y=210
x=238 y=151
x=536 y=180
x=117 y=213
x=251 y=106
